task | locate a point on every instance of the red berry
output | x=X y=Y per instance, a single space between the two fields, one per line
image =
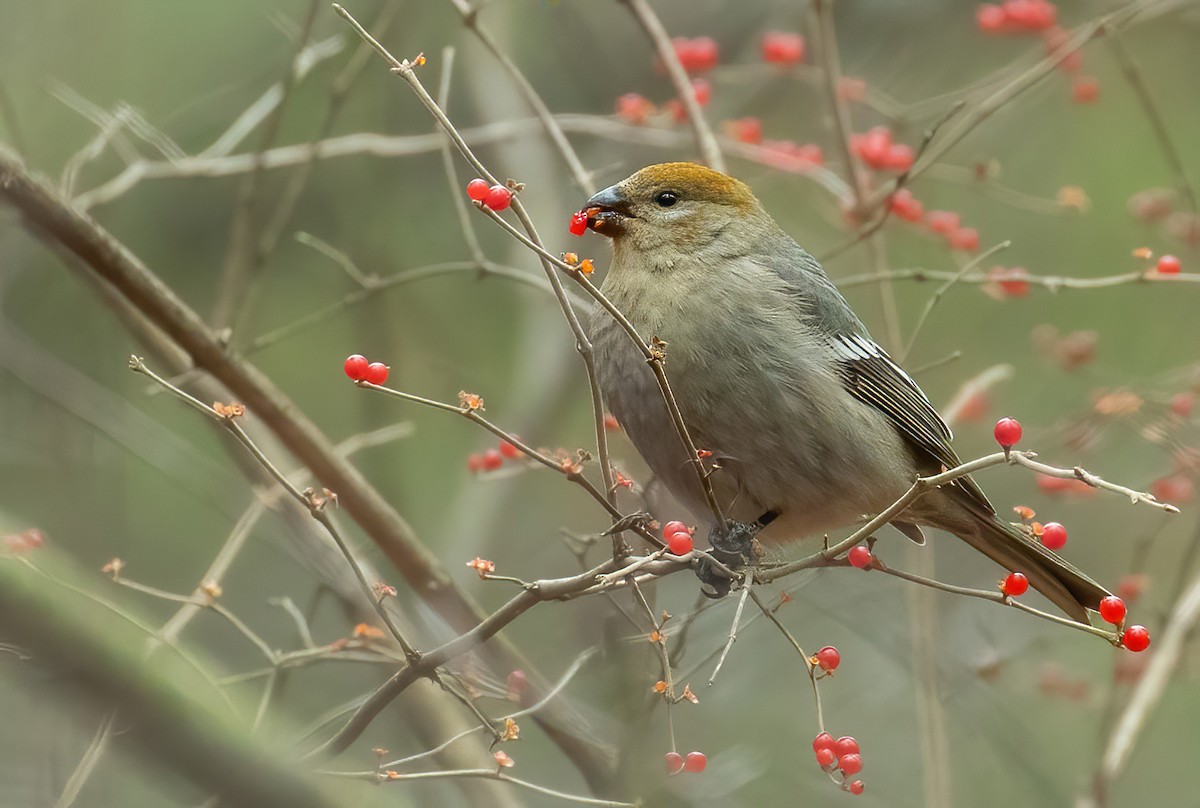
x=702 y=91
x=674 y=526
x=634 y=108
x=964 y=238
x=846 y=745
x=1054 y=536
x=680 y=542
x=783 y=48
x=1112 y=609
x=579 y=221
x=696 y=54
x=498 y=198
x=1181 y=403
x=674 y=762
x=898 y=158
x=856 y=787
x=828 y=658
x=826 y=758
x=823 y=741
x=492 y=460
x=991 y=19
x=509 y=450
x=1011 y=282
x=356 y=367
x=1169 y=265
x=1015 y=584
x=746 y=130
x=850 y=764
x=1007 y=432
x=1177 y=489
x=859 y=556
x=904 y=205
x=944 y=222
x=478 y=189
x=1130 y=586
x=1085 y=90
x=695 y=762
x=1136 y=638
x=376 y=373
x=851 y=88
x=704 y=52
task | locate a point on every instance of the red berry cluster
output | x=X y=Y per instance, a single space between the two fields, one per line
x=492 y=459
x=876 y=149
x=841 y=755
x=694 y=763
x=1016 y=17
x=360 y=370
x=494 y=197
x=1022 y=17
x=696 y=54
x=678 y=537
x=783 y=48
x=636 y=109
x=944 y=223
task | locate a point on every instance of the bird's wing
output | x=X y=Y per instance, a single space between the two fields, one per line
x=871 y=376
x=866 y=370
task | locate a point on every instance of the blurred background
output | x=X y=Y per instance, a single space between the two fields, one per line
x=955 y=701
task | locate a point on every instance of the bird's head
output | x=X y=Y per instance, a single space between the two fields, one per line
x=677 y=209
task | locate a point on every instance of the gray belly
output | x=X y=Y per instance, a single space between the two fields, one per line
x=786 y=434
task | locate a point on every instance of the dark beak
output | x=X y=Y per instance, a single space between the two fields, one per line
x=608 y=211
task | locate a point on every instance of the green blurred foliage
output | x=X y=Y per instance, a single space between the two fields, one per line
x=107 y=468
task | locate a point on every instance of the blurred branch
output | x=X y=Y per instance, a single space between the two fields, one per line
x=168 y=725
x=373 y=144
x=243 y=259
x=1051 y=282
x=1146 y=693
x=470 y=18
x=1133 y=75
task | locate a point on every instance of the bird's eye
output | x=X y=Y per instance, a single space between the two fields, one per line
x=666 y=199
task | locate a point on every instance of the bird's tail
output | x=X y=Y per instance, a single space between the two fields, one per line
x=1061 y=582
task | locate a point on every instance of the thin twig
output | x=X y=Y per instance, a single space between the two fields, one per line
x=936 y=297
x=706 y=142
x=733 y=629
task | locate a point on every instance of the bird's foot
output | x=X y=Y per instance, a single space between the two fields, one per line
x=733 y=545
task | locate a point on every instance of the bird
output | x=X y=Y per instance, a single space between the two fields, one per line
x=811 y=424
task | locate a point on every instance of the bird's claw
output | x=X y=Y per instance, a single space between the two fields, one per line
x=733 y=546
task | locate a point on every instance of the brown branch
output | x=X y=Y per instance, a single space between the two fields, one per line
x=60 y=224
